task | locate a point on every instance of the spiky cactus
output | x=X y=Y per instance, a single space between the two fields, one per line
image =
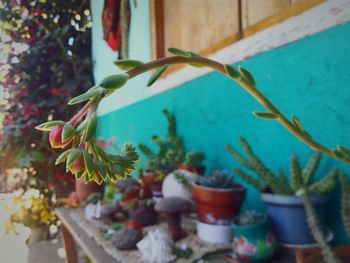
x=171 y=149
x=328 y=255
x=300 y=179
x=300 y=184
x=194 y=158
x=345 y=202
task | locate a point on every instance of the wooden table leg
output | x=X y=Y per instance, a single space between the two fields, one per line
x=69 y=245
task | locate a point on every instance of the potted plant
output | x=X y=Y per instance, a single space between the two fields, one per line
x=171 y=153
x=193 y=162
x=85 y=189
x=253 y=239
x=284 y=200
x=178 y=183
x=218 y=199
x=129 y=189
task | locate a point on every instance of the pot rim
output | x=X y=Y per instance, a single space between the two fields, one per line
x=250 y=226
x=278 y=199
x=236 y=188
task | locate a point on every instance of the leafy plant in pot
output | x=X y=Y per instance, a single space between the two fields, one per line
x=253 y=239
x=285 y=201
x=218 y=199
x=171 y=153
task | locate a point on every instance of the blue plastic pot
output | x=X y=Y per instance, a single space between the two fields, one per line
x=288 y=217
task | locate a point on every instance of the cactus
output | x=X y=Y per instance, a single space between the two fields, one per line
x=301 y=179
x=324 y=185
x=295 y=174
x=171 y=149
x=283 y=182
x=249 y=179
x=309 y=169
x=327 y=253
x=194 y=158
x=217 y=179
x=345 y=202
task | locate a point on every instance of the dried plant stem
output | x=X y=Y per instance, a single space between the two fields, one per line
x=248 y=87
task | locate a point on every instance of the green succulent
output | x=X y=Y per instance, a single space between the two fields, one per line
x=217 y=179
x=248 y=217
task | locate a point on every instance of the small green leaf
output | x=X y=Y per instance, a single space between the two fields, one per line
x=114 y=82
x=156 y=75
x=306 y=134
x=101 y=153
x=62 y=157
x=232 y=72
x=343 y=150
x=338 y=154
x=46 y=126
x=179 y=52
x=67 y=132
x=266 y=115
x=72 y=156
x=297 y=123
x=89 y=163
x=91 y=127
x=79 y=174
x=91 y=93
x=127 y=64
x=82 y=125
x=247 y=75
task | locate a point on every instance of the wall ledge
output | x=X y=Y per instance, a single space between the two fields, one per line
x=314 y=20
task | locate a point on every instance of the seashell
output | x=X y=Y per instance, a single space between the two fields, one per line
x=93 y=211
x=156 y=247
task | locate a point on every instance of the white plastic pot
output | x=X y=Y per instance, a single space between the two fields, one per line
x=172 y=187
x=214 y=233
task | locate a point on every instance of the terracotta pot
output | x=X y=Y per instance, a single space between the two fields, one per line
x=83 y=189
x=152 y=181
x=131 y=194
x=217 y=206
x=314 y=255
x=197 y=169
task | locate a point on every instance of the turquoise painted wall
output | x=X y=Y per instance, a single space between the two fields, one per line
x=309 y=78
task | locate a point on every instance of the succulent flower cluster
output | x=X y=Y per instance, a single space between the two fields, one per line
x=85 y=158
